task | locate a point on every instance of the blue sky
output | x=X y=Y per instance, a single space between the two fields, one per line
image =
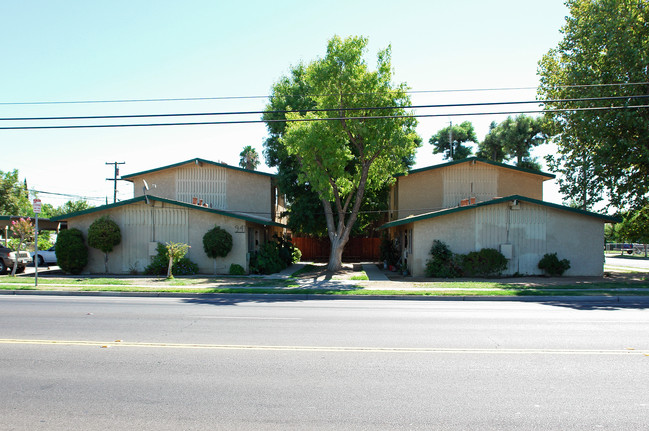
x=86 y=50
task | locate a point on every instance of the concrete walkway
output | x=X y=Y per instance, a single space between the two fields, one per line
x=373 y=272
x=287 y=272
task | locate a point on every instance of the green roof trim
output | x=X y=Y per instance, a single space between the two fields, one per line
x=479 y=159
x=606 y=218
x=196 y=161
x=172 y=202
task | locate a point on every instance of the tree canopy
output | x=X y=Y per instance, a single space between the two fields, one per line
x=604 y=53
x=337 y=152
x=14 y=196
x=104 y=234
x=249 y=158
x=513 y=139
x=450 y=141
x=491 y=148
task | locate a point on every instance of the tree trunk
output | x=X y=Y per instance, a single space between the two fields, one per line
x=171 y=263
x=106 y=263
x=336 y=255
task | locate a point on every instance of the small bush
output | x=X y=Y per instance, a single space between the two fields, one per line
x=104 y=234
x=551 y=264
x=217 y=242
x=236 y=269
x=267 y=260
x=160 y=264
x=483 y=263
x=443 y=263
x=297 y=255
x=71 y=252
x=287 y=251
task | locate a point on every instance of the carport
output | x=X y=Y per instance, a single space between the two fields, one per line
x=43 y=224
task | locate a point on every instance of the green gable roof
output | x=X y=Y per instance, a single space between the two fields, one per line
x=478 y=159
x=605 y=218
x=195 y=161
x=169 y=201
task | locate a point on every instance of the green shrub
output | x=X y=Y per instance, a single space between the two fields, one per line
x=104 y=234
x=217 y=242
x=160 y=264
x=267 y=260
x=551 y=264
x=71 y=252
x=287 y=251
x=388 y=251
x=297 y=255
x=236 y=269
x=483 y=263
x=443 y=263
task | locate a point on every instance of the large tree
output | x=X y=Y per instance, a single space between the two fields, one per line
x=450 y=141
x=339 y=152
x=14 y=196
x=249 y=159
x=604 y=53
x=579 y=176
x=491 y=148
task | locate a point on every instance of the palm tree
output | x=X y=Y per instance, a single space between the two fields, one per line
x=249 y=158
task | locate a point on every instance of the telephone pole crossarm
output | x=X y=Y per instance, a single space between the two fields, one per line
x=115 y=179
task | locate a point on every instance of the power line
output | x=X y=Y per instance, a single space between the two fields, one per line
x=192 y=99
x=377 y=117
x=21 y=188
x=286 y=111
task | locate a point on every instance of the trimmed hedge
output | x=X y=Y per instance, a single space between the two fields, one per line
x=71 y=252
x=484 y=263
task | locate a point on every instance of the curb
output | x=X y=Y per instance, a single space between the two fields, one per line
x=311 y=296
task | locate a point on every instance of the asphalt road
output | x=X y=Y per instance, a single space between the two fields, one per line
x=323 y=364
x=638 y=263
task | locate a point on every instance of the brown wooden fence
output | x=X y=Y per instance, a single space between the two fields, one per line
x=356 y=250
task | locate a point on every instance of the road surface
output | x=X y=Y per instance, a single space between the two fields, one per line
x=138 y=363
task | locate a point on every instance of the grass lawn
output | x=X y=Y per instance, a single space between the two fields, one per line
x=355 y=284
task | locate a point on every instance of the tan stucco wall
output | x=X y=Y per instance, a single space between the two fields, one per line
x=579 y=239
x=419 y=193
x=533 y=230
x=244 y=192
x=430 y=190
x=142 y=224
x=519 y=183
x=249 y=193
x=162 y=184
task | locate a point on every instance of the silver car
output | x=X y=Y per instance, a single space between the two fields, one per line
x=45 y=256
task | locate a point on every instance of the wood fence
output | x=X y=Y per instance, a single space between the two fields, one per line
x=356 y=249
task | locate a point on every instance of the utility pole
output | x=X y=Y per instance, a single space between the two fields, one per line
x=115 y=179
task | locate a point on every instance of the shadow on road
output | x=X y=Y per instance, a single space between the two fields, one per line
x=600 y=305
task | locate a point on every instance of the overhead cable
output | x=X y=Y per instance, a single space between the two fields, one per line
x=287 y=111
x=192 y=99
x=377 y=117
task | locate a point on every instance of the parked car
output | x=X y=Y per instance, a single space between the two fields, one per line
x=45 y=256
x=8 y=257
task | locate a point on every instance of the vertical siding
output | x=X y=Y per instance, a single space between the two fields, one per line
x=204 y=182
x=142 y=225
x=524 y=228
x=528 y=232
x=469 y=180
x=136 y=235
